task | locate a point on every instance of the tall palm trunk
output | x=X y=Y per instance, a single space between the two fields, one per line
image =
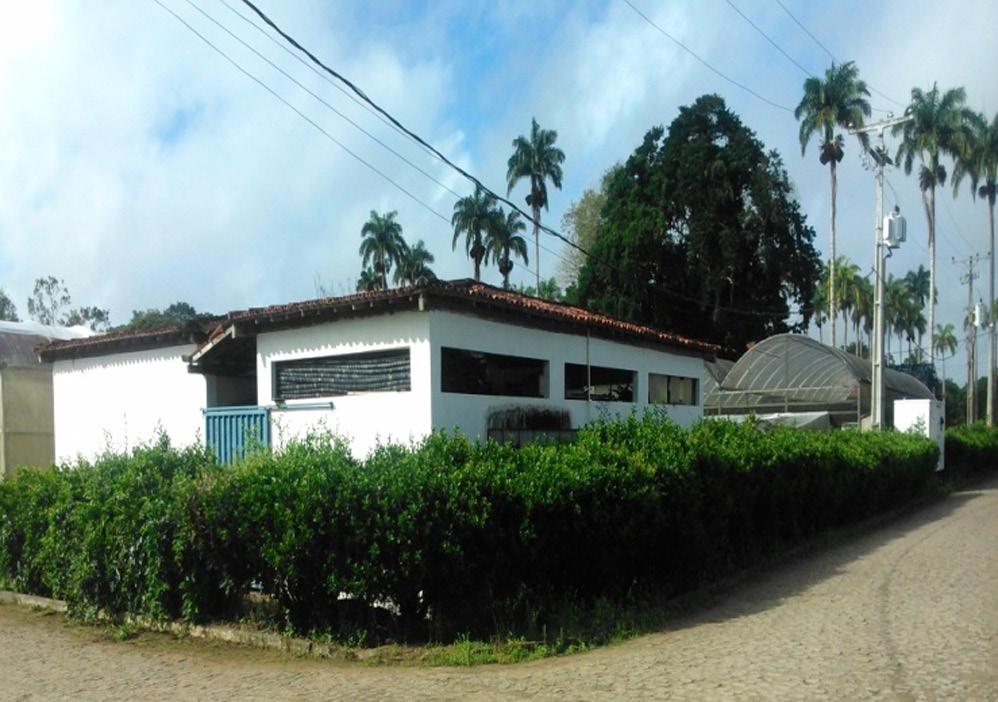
x=384 y=271
x=477 y=255
x=537 y=237
x=929 y=200
x=831 y=265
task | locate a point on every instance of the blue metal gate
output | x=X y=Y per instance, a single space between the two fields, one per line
x=230 y=431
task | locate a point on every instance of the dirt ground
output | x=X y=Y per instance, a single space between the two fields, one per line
x=907 y=612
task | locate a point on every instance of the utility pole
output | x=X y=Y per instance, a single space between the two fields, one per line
x=880 y=159
x=991 y=332
x=968 y=279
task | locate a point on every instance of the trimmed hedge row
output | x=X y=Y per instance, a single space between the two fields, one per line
x=452 y=535
x=971 y=450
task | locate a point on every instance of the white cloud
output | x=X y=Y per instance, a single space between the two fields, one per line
x=141 y=167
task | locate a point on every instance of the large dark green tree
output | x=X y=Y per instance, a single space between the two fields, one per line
x=701 y=235
x=581 y=223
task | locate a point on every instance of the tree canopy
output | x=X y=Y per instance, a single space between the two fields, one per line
x=701 y=235
x=8 y=310
x=48 y=303
x=178 y=314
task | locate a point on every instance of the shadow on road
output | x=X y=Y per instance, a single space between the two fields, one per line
x=822 y=558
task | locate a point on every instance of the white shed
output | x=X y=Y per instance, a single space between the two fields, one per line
x=386 y=366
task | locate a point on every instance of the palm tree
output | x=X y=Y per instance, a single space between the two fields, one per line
x=383 y=244
x=837 y=101
x=503 y=240
x=941 y=126
x=414 y=265
x=944 y=339
x=819 y=301
x=918 y=283
x=538 y=160
x=848 y=272
x=473 y=217
x=897 y=304
x=980 y=164
x=369 y=281
x=862 y=308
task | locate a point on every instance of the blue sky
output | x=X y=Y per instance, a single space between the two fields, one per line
x=142 y=168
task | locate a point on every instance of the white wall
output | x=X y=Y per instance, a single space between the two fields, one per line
x=926 y=416
x=468 y=413
x=362 y=418
x=120 y=400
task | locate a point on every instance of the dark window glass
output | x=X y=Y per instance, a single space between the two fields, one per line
x=376 y=371
x=608 y=384
x=671 y=390
x=480 y=373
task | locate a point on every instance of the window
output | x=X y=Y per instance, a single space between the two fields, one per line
x=608 y=384
x=375 y=371
x=480 y=373
x=671 y=390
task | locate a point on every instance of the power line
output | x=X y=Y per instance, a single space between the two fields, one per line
x=703 y=61
x=322 y=101
x=765 y=36
x=830 y=54
x=412 y=135
x=949 y=213
x=301 y=114
x=312 y=68
x=789 y=310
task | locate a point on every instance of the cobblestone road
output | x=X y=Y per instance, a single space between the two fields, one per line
x=908 y=612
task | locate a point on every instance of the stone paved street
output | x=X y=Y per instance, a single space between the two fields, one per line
x=907 y=612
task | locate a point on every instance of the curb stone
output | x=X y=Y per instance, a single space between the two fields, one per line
x=208 y=632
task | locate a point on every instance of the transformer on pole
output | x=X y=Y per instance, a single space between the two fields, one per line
x=890 y=232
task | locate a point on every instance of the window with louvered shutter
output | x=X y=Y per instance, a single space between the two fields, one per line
x=374 y=371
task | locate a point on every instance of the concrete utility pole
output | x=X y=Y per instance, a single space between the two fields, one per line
x=991 y=332
x=968 y=279
x=880 y=160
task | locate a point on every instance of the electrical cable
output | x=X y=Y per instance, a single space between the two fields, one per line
x=790 y=309
x=703 y=61
x=360 y=93
x=323 y=102
x=412 y=135
x=276 y=42
x=765 y=36
x=949 y=213
x=830 y=54
x=301 y=114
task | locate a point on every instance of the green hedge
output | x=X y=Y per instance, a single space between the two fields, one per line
x=971 y=450
x=453 y=536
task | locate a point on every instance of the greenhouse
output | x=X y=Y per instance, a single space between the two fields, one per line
x=794 y=374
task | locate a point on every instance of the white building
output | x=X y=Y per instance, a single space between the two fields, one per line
x=384 y=366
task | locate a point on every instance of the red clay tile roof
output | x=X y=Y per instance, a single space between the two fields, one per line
x=483 y=300
x=462 y=293
x=121 y=342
